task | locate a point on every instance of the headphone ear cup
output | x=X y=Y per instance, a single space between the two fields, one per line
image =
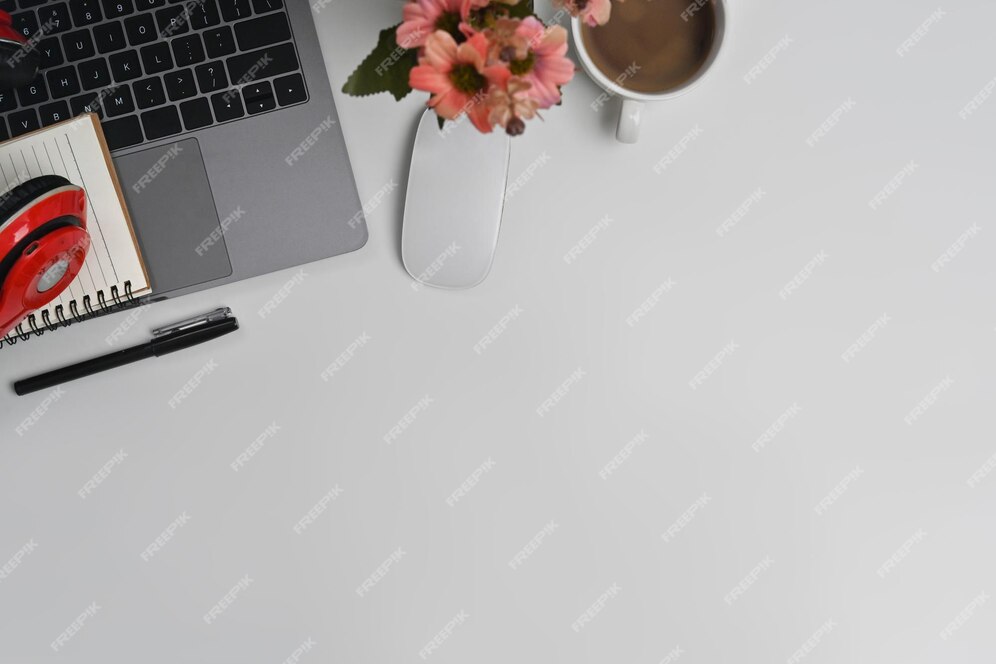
x=18 y=65
x=24 y=193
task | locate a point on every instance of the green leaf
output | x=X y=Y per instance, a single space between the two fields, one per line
x=441 y=120
x=521 y=10
x=386 y=69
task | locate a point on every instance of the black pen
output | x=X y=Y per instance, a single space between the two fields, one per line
x=165 y=340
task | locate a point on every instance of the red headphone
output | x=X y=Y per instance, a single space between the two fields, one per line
x=18 y=59
x=43 y=243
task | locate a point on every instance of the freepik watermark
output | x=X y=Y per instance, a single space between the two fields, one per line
x=345 y=356
x=625 y=453
x=317 y=509
x=526 y=175
x=271 y=305
x=648 y=305
x=810 y=645
x=408 y=419
x=158 y=167
x=309 y=142
x=129 y=322
x=214 y=237
x=532 y=545
x=603 y=98
x=893 y=185
x=713 y=365
x=15 y=560
x=435 y=266
x=929 y=400
x=498 y=329
x=305 y=647
x=978 y=100
x=164 y=537
x=375 y=202
x=195 y=381
x=738 y=215
x=672 y=656
x=679 y=149
x=776 y=427
x=964 y=616
x=443 y=634
x=832 y=121
x=102 y=474
x=461 y=491
x=368 y=584
x=225 y=602
x=558 y=394
x=74 y=627
x=596 y=607
x=982 y=473
x=686 y=517
x=39 y=412
x=248 y=77
x=748 y=581
x=693 y=9
x=920 y=32
x=949 y=255
x=587 y=239
x=901 y=553
x=254 y=448
x=769 y=59
x=803 y=275
x=866 y=338
x=399 y=52
x=838 y=491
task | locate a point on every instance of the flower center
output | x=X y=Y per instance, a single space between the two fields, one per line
x=450 y=22
x=467 y=79
x=523 y=66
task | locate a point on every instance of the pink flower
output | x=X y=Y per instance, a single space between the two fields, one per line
x=545 y=66
x=512 y=106
x=420 y=18
x=592 y=12
x=458 y=77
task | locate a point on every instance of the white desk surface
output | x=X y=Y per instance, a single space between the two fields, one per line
x=805 y=526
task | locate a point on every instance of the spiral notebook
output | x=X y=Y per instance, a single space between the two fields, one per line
x=114 y=273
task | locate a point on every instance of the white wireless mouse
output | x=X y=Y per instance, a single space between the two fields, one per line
x=456 y=192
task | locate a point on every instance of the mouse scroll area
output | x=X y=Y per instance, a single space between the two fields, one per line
x=453 y=208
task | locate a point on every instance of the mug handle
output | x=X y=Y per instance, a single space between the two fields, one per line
x=628 y=129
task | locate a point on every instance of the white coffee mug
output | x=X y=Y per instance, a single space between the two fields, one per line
x=628 y=129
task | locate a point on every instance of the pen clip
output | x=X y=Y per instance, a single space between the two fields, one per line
x=218 y=314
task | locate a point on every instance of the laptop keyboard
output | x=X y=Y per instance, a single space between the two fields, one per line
x=153 y=68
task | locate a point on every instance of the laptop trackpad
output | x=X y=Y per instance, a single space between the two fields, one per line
x=174 y=215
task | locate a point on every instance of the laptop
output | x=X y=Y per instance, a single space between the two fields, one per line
x=220 y=121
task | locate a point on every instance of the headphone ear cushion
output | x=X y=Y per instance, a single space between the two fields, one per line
x=25 y=192
x=18 y=66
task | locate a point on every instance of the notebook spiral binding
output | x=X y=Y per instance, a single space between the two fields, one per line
x=35 y=325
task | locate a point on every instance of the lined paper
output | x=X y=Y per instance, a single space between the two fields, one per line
x=75 y=150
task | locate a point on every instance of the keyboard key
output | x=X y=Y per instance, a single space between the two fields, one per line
x=204 y=15
x=7 y=101
x=196 y=113
x=219 y=42
x=85 y=12
x=109 y=37
x=259 y=97
x=22 y=122
x=149 y=4
x=50 y=52
x=4 y=134
x=227 y=105
x=124 y=66
x=32 y=93
x=172 y=21
x=188 y=50
x=63 y=82
x=260 y=6
x=54 y=18
x=32 y=3
x=161 y=122
x=94 y=74
x=54 y=112
x=78 y=45
x=211 y=77
x=88 y=103
x=290 y=89
x=180 y=84
x=8 y=6
x=141 y=29
x=26 y=23
x=156 y=58
x=149 y=92
x=117 y=8
x=244 y=67
x=233 y=10
x=262 y=31
x=122 y=133
x=119 y=102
